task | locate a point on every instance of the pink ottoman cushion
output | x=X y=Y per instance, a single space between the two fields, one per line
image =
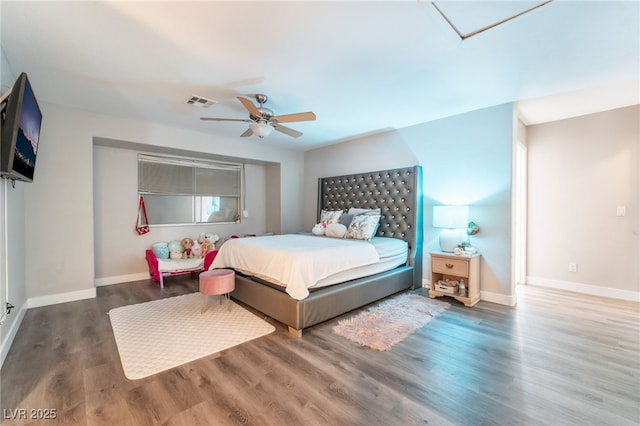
x=217 y=281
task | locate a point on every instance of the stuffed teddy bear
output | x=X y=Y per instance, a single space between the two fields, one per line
x=205 y=247
x=187 y=244
x=209 y=237
x=196 y=250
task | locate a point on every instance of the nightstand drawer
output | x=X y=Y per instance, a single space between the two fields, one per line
x=458 y=267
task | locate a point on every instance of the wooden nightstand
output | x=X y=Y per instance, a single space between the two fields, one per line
x=449 y=266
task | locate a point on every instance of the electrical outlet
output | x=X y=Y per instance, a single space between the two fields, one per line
x=573 y=267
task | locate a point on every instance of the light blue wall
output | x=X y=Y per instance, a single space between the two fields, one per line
x=466 y=159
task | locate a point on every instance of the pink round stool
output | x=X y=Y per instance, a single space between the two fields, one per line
x=217 y=282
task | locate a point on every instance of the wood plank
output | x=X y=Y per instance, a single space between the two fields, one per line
x=556 y=358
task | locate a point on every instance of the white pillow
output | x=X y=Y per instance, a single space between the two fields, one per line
x=328 y=216
x=363 y=227
x=336 y=230
x=356 y=211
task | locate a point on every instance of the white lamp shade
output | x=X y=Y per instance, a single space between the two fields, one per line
x=452 y=217
x=261 y=129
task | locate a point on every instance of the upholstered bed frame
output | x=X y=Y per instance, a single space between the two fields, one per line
x=398 y=193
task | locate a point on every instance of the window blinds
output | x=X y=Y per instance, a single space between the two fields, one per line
x=175 y=176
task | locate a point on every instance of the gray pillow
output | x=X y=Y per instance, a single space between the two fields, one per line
x=345 y=219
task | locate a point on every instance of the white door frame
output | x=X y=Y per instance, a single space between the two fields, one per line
x=520 y=219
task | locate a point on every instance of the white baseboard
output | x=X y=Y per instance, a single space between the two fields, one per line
x=119 y=279
x=500 y=299
x=54 y=299
x=589 y=289
x=36 y=302
x=8 y=338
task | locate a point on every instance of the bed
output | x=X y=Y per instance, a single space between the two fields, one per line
x=398 y=195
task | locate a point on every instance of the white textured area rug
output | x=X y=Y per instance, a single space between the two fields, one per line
x=162 y=334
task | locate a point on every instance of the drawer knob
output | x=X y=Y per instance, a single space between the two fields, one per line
x=449 y=265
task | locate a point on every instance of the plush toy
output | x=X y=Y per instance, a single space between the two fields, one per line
x=196 y=250
x=175 y=249
x=187 y=245
x=161 y=250
x=336 y=230
x=205 y=247
x=319 y=229
x=209 y=237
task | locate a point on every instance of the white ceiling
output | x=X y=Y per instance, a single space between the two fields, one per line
x=363 y=67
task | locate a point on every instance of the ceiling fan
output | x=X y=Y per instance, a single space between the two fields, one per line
x=263 y=121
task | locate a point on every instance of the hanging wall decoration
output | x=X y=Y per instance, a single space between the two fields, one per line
x=142 y=224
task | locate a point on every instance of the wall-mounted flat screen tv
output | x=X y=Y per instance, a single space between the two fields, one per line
x=21 y=121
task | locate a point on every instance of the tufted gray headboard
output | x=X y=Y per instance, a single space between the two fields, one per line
x=398 y=194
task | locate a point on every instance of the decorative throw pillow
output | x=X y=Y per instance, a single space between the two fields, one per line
x=345 y=219
x=328 y=216
x=336 y=230
x=363 y=227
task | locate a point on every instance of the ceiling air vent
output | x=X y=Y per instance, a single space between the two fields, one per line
x=200 y=101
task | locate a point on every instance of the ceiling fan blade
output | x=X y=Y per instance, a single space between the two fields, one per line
x=250 y=106
x=246 y=120
x=247 y=133
x=287 y=131
x=290 y=118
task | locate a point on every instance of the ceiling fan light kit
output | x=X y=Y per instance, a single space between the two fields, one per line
x=263 y=121
x=261 y=129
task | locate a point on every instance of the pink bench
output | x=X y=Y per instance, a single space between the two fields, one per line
x=157 y=275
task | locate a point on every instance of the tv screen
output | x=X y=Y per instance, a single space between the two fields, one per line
x=20 y=132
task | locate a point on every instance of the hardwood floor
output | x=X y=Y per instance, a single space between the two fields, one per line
x=557 y=358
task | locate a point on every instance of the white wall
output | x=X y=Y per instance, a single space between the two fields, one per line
x=580 y=171
x=14 y=265
x=465 y=158
x=51 y=220
x=119 y=250
x=59 y=204
x=14 y=257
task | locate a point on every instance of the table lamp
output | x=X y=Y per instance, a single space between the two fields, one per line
x=452 y=219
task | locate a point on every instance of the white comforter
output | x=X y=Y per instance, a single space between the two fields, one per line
x=299 y=261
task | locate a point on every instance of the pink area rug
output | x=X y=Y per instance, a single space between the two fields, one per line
x=388 y=323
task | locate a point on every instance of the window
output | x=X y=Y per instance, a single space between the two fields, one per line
x=187 y=191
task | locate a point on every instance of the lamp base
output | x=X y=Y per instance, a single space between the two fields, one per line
x=450 y=239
